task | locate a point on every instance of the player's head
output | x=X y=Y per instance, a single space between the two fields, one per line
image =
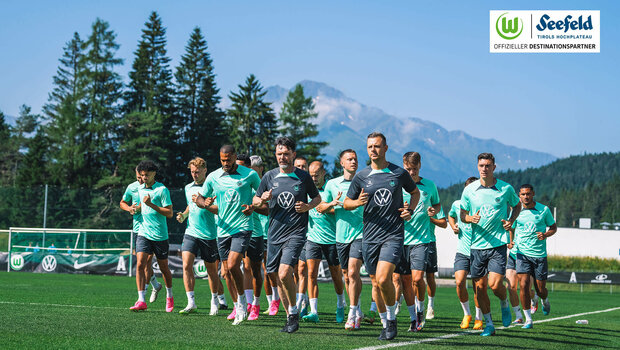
x=348 y=160
x=486 y=165
x=526 y=194
x=376 y=144
x=301 y=163
x=256 y=163
x=317 y=172
x=228 y=157
x=198 y=168
x=285 y=152
x=470 y=180
x=148 y=170
x=412 y=161
x=138 y=177
x=243 y=159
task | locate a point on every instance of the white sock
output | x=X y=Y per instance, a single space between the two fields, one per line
x=300 y=298
x=352 y=311
x=373 y=306
x=412 y=313
x=431 y=302
x=146 y=288
x=419 y=304
x=465 y=307
x=314 y=305
x=292 y=310
x=190 y=298
x=214 y=298
x=274 y=293
x=528 y=315
x=256 y=301
x=154 y=282
x=383 y=317
x=478 y=313
x=249 y=294
x=222 y=299
x=504 y=303
x=340 y=300
x=358 y=309
x=168 y=292
x=487 y=319
x=391 y=312
x=269 y=299
x=517 y=311
x=141 y=294
x=241 y=300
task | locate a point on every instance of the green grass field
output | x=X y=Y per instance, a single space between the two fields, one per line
x=86 y=311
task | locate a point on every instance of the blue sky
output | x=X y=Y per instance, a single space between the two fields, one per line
x=428 y=60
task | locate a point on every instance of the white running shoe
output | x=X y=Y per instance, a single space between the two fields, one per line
x=430 y=313
x=215 y=306
x=241 y=315
x=154 y=293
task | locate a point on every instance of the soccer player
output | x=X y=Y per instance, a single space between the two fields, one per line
x=156 y=206
x=485 y=204
x=531 y=229
x=231 y=188
x=462 y=261
x=349 y=224
x=131 y=204
x=286 y=190
x=438 y=218
x=301 y=271
x=420 y=248
x=301 y=163
x=322 y=243
x=200 y=237
x=512 y=279
x=379 y=188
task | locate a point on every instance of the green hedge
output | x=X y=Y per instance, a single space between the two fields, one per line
x=579 y=263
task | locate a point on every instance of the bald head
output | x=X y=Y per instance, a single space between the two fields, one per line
x=317 y=172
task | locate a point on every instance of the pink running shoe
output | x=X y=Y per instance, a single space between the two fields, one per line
x=254 y=311
x=138 y=306
x=249 y=308
x=233 y=314
x=274 y=307
x=169 y=304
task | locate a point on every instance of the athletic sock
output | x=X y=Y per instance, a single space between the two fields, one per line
x=154 y=282
x=340 y=300
x=292 y=310
x=214 y=297
x=269 y=299
x=300 y=298
x=504 y=303
x=546 y=301
x=190 y=298
x=383 y=317
x=314 y=302
x=358 y=309
x=528 y=315
x=168 y=292
x=274 y=293
x=478 y=313
x=146 y=287
x=141 y=294
x=256 y=301
x=241 y=300
x=487 y=319
x=465 y=306
x=222 y=299
x=431 y=302
x=412 y=313
x=391 y=312
x=249 y=294
x=419 y=304
x=373 y=306
x=517 y=311
x=352 y=311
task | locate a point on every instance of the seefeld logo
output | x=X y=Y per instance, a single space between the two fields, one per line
x=565 y=24
x=510 y=28
x=49 y=263
x=231 y=196
x=200 y=270
x=383 y=197
x=286 y=200
x=17 y=262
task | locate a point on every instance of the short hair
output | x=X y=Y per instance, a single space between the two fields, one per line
x=470 y=180
x=377 y=134
x=197 y=162
x=147 y=165
x=286 y=142
x=526 y=186
x=256 y=161
x=412 y=158
x=319 y=164
x=488 y=156
x=348 y=150
x=228 y=149
x=244 y=158
x=302 y=158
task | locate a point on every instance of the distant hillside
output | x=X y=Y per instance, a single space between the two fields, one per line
x=585 y=186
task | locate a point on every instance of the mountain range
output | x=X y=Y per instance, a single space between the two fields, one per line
x=448 y=157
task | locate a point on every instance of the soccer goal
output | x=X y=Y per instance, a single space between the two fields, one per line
x=70 y=250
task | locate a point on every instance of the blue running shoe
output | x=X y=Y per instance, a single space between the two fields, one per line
x=303 y=312
x=546 y=308
x=528 y=325
x=340 y=315
x=506 y=316
x=488 y=331
x=311 y=317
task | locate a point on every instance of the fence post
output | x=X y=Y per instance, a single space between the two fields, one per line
x=45 y=209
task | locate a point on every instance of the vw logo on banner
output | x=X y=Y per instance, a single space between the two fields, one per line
x=286 y=200
x=49 y=263
x=383 y=197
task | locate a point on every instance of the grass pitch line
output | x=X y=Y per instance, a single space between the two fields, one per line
x=69 y=305
x=454 y=335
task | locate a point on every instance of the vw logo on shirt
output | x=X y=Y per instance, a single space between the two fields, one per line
x=231 y=196
x=487 y=211
x=529 y=227
x=286 y=200
x=383 y=197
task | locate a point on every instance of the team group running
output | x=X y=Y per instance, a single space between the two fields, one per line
x=286 y=221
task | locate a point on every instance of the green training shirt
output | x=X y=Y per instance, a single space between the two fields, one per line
x=464 y=243
x=349 y=223
x=200 y=222
x=527 y=224
x=132 y=197
x=418 y=230
x=154 y=225
x=322 y=227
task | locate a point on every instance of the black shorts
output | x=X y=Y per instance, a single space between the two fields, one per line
x=404 y=265
x=286 y=253
x=389 y=251
x=511 y=263
x=351 y=250
x=256 y=249
x=462 y=262
x=316 y=251
x=238 y=242
x=488 y=260
x=206 y=247
x=423 y=257
x=536 y=267
x=302 y=254
x=159 y=248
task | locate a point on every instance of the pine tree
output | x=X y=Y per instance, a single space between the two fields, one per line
x=32 y=171
x=296 y=122
x=7 y=152
x=252 y=125
x=21 y=135
x=200 y=120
